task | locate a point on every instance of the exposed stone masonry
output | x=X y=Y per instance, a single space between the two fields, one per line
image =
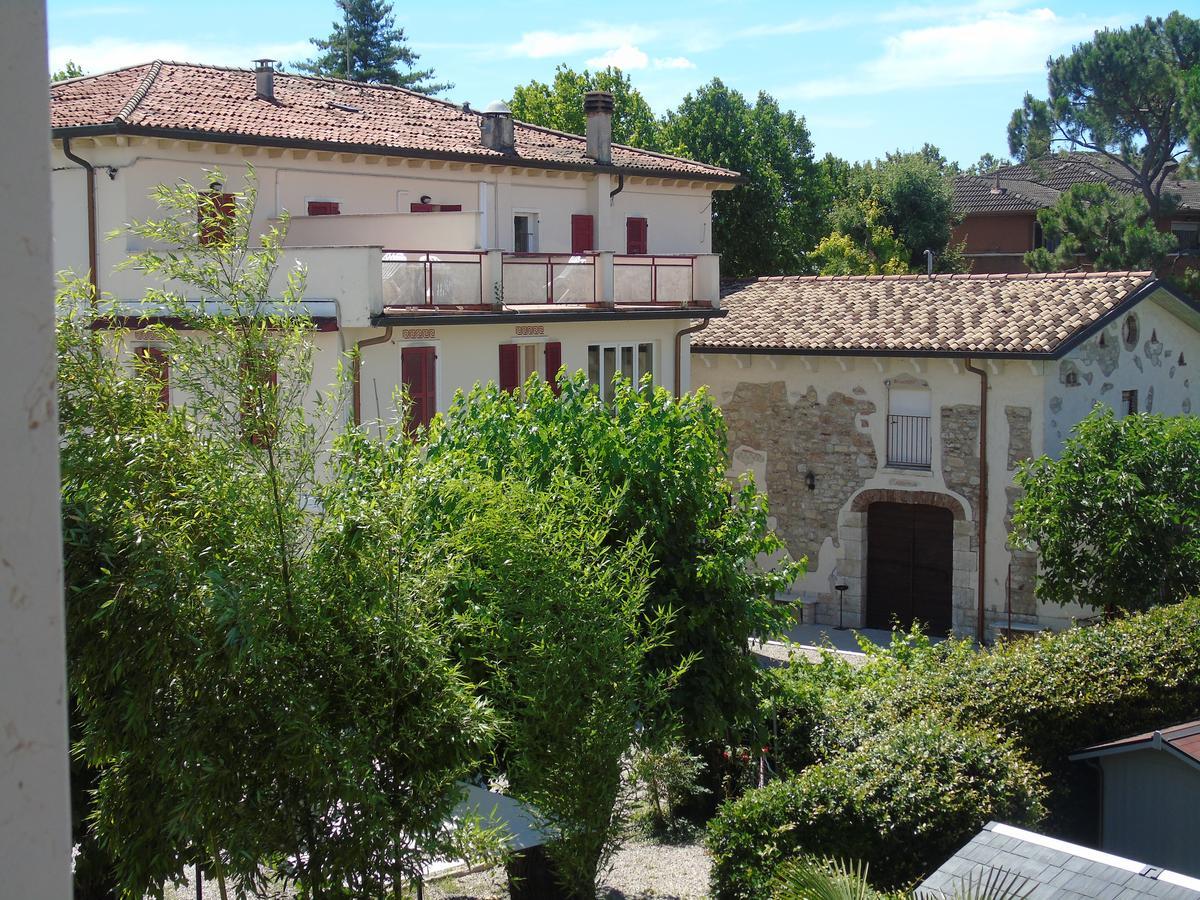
x=960 y=451
x=1020 y=434
x=1022 y=563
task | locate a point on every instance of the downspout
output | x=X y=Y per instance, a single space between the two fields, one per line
x=356 y=369
x=620 y=187
x=980 y=624
x=91 y=215
x=679 y=335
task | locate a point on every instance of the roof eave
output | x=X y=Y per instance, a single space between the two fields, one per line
x=550 y=315
x=189 y=134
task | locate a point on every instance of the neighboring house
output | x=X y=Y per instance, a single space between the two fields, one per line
x=453 y=246
x=1150 y=796
x=855 y=401
x=1049 y=869
x=999 y=210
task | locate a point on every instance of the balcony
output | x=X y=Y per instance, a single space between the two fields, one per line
x=908 y=442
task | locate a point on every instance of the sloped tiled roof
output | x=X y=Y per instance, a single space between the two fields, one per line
x=183 y=99
x=1039 y=183
x=1050 y=869
x=1018 y=315
x=1183 y=739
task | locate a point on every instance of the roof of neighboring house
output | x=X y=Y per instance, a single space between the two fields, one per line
x=1182 y=740
x=198 y=102
x=1015 y=315
x=1050 y=869
x=1029 y=186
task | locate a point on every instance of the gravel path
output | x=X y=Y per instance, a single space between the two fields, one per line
x=776 y=653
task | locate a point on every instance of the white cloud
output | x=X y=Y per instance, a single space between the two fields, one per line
x=991 y=48
x=673 y=62
x=626 y=57
x=104 y=54
x=541 y=44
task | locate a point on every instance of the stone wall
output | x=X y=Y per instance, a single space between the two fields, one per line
x=1022 y=571
x=960 y=451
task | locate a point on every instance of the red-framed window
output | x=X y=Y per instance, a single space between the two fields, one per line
x=214 y=216
x=583 y=234
x=418 y=372
x=553 y=364
x=154 y=363
x=434 y=207
x=519 y=361
x=257 y=404
x=635 y=235
x=324 y=208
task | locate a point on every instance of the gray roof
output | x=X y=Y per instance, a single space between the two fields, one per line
x=1056 y=869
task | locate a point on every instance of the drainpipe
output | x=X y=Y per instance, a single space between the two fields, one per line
x=679 y=353
x=91 y=215
x=980 y=627
x=356 y=369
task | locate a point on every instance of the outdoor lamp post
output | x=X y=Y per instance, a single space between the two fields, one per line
x=841 y=589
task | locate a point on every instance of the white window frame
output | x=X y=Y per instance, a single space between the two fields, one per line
x=605 y=378
x=535 y=217
x=906 y=447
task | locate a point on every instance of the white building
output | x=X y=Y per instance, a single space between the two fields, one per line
x=855 y=401
x=453 y=246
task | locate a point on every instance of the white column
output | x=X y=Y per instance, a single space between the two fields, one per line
x=35 y=845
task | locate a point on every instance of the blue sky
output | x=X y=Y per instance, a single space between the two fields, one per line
x=868 y=77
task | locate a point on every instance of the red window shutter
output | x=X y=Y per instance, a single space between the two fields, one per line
x=418 y=373
x=553 y=364
x=257 y=370
x=214 y=215
x=635 y=235
x=583 y=230
x=510 y=367
x=158 y=367
x=324 y=208
x=450 y=207
x=420 y=207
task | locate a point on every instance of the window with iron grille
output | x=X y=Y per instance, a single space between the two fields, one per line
x=909 y=443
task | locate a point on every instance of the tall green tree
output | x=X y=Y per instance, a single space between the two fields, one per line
x=367 y=46
x=1128 y=94
x=769 y=224
x=1093 y=223
x=70 y=70
x=559 y=105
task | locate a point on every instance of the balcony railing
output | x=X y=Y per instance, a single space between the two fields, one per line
x=549 y=278
x=433 y=278
x=652 y=279
x=908 y=443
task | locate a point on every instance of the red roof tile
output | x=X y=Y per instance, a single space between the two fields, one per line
x=1184 y=738
x=221 y=103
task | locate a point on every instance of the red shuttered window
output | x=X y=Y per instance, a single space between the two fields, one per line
x=510 y=367
x=635 y=235
x=324 y=208
x=583 y=231
x=553 y=364
x=214 y=217
x=155 y=364
x=259 y=399
x=418 y=372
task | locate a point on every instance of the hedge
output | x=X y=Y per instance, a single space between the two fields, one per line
x=904 y=800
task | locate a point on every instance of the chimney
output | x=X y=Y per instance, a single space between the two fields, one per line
x=598 y=105
x=496 y=127
x=264 y=79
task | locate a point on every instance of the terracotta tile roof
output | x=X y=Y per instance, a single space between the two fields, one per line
x=1184 y=738
x=1017 y=315
x=221 y=103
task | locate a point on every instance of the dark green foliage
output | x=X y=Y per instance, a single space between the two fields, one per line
x=559 y=105
x=769 y=224
x=1116 y=518
x=660 y=465
x=1093 y=223
x=905 y=799
x=367 y=46
x=1123 y=94
x=70 y=70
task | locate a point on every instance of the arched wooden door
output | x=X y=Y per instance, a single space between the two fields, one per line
x=910 y=566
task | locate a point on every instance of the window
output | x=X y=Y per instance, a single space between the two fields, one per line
x=259 y=399
x=519 y=361
x=154 y=364
x=583 y=230
x=324 y=208
x=214 y=215
x=1040 y=239
x=908 y=441
x=418 y=373
x=1188 y=235
x=1129 y=402
x=635 y=235
x=525 y=236
x=434 y=207
x=632 y=361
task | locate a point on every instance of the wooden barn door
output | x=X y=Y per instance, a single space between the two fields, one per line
x=910 y=566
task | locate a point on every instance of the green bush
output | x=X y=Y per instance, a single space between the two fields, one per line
x=904 y=800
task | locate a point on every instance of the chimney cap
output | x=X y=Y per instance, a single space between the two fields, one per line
x=598 y=101
x=265 y=63
x=498 y=107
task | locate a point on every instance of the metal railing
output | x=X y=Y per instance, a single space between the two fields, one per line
x=549 y=277
x=908 y=443
x=652 y=279
x=433 y=278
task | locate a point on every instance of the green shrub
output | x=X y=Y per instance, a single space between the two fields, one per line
x=904 y=800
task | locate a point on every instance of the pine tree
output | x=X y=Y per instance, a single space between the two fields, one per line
x=367 y=46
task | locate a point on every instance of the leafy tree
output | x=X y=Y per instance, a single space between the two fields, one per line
x=1110 y=230
x=1124 y=95
x=769 y=224
x=70 y=70
x=869 y=249
x=559 y=105
x=367 y=46
x=245 y=698
x=1116 y=520
x=987 y=164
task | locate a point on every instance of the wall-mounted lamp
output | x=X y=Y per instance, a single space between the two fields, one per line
x=425 y=198
x=811 y=480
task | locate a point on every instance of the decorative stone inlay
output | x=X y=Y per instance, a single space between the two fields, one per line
x=960 y=451
x=1022 y=566
x=1020 y=434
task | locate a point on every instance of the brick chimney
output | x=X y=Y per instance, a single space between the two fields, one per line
x=598 y=105
x=496 y=127
x=264 y=79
